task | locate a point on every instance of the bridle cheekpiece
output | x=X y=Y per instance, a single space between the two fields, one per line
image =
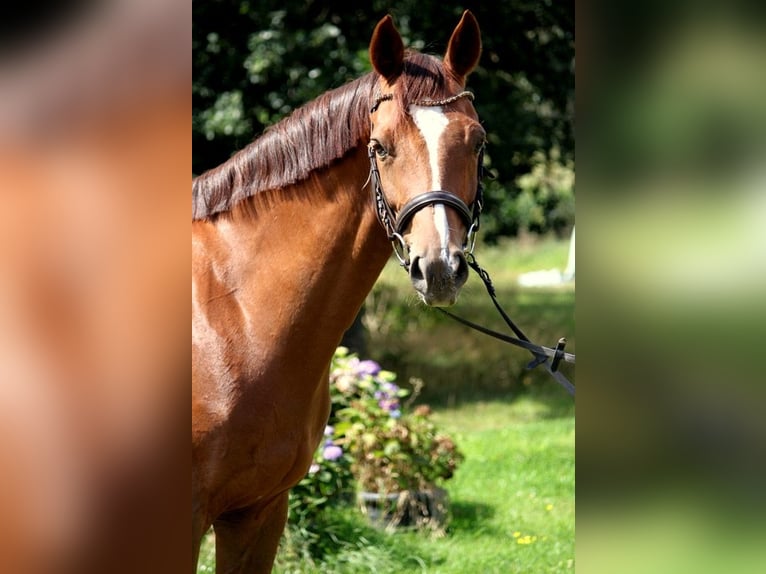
x=396 y=224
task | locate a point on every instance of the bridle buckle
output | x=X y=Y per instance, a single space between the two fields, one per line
x=401 y=250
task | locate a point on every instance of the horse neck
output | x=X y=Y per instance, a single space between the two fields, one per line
x=308 y=254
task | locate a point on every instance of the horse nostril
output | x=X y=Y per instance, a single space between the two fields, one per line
x=460 y=267
x=416 y=273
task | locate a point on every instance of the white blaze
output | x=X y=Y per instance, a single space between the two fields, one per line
x=431 y=121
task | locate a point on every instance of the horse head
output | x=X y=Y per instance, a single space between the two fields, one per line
x=426 y=150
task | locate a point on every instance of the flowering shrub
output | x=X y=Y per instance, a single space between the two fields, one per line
x=328 y=481
x=391 y=450
x=371 y=442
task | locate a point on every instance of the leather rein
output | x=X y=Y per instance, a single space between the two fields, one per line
x=396 y=224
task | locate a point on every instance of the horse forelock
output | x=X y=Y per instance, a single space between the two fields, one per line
x=313 y=136
x=424 y=79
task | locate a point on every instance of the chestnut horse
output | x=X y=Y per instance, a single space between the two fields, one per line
x=286 y=245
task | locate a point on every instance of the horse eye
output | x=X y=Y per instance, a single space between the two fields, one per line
x=378 y=148
x=479 y=147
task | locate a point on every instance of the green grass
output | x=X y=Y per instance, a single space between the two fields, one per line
x=516 y=486
x=512 y=500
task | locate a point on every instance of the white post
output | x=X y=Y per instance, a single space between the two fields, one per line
x=569 y=272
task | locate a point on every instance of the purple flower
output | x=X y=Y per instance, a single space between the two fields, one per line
x=395 y=414
x=332 y=452
x=391 y=388
x=313 y=468
x=367 y=367
x=389 y=405
x=329 y=430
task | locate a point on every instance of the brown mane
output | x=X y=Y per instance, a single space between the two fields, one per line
x=312 y=137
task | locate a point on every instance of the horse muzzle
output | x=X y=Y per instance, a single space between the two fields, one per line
x=438 y=280
x=436 y=273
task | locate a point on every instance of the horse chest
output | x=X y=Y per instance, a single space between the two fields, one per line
x=264 y=445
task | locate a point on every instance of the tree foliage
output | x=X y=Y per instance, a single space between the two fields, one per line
x=256 y=60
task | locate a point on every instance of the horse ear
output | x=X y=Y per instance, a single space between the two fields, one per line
x=464 y=48
x=387 y=49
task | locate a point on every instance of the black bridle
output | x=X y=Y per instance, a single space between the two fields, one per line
x=396 y=224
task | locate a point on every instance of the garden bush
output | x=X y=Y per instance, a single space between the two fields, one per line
x=373 y=442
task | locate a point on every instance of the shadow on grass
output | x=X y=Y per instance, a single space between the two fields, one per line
x=469 y=516
x=343 y=541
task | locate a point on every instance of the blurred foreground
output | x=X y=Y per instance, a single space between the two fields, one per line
x=94 y=171
x=671 y=430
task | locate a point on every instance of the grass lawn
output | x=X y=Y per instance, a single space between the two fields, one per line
x=512 y=499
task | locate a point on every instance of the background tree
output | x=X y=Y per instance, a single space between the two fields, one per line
x=257 y=60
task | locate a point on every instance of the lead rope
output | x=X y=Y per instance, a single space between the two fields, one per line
x=541 y=354
x=388 y=221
